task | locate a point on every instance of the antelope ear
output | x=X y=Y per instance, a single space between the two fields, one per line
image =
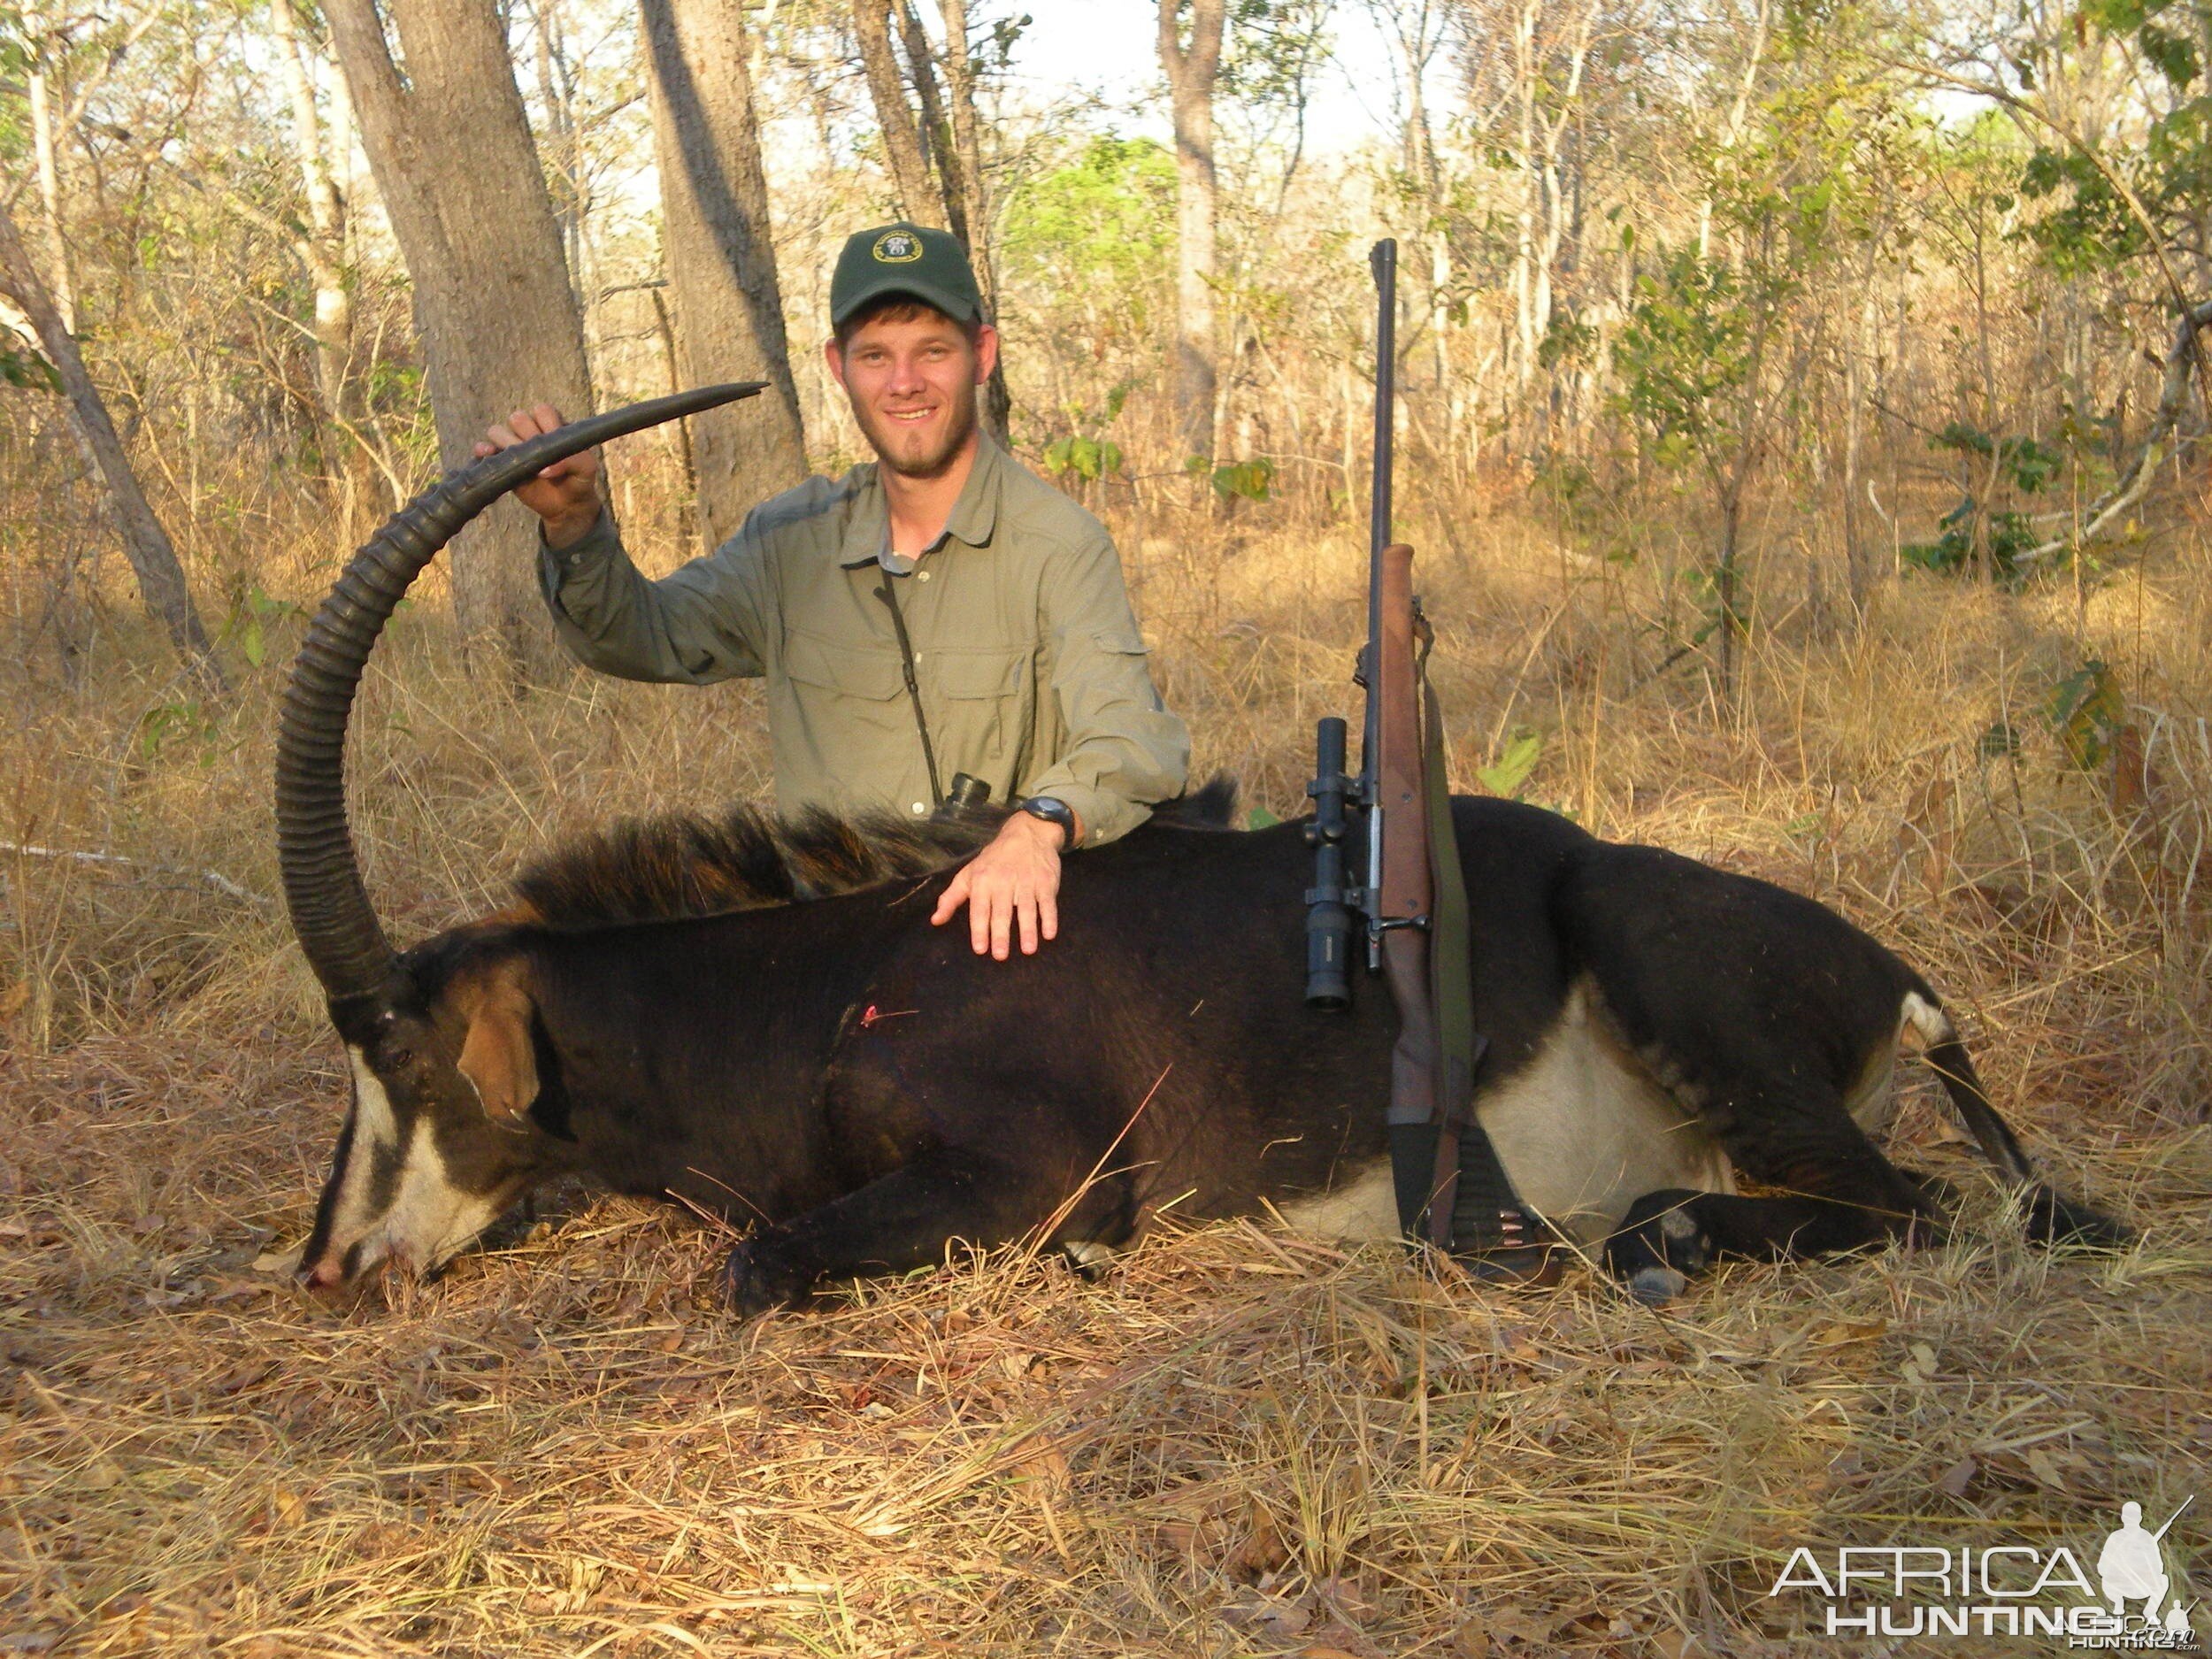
x=498 y=1057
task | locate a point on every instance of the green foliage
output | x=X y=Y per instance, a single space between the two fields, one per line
x=25 y=368
x=1100 y=228
x=1239 y=480
x=1686 y=348
x=253 y=614
x=186 y=721
x=1506 y=775
x=1083 y=454
x=2086 y=710
x=1269 y=48
x=1566 y=340
x=2091 y=225
x=1999 y=741
x=2025 y=463
x=2022 y=463
x=1089 y=459
x=2008 y=535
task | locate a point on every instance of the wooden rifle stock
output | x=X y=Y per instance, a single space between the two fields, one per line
x=1398 y=819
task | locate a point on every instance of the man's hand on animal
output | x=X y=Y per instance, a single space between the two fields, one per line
x=566 y=494
x=1016 y=879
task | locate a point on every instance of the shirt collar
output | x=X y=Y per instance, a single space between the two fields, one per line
x=974 y=515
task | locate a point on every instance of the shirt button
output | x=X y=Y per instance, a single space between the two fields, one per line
x=920 y=806
x=921 y=576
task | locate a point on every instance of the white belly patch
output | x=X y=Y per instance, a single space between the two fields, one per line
x=1584 y=1131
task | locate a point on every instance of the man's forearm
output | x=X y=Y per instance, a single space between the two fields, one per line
x=565 y=531
x=611 y=619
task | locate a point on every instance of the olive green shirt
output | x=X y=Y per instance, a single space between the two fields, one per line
x=1031 y=670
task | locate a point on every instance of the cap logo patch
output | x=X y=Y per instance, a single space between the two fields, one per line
x=897 y=247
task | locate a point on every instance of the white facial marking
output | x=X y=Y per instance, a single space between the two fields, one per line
x=429 y=1216
x=375 y=1134
x=432 y=1217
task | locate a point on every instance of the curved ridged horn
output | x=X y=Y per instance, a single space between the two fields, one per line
x=322 y=878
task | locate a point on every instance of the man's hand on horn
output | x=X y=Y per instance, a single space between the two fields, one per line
x=566 y=494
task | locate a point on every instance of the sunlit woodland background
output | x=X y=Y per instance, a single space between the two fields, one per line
x=1803 y=426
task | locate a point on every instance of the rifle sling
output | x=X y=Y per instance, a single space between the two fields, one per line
x=1447 y=1173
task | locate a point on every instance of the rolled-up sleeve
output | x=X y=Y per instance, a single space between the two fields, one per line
x=1123 y=750
x=703 y=624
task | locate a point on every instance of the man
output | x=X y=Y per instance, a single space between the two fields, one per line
x=940 y=611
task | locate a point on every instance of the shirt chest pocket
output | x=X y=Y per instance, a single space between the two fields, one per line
x=962 y=675
x=978 y=694
x=850 y=708
x=869 y=673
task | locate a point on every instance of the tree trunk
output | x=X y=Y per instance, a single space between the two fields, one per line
x=975 y=205
x=721 y=256
x=1191 y=70
x=937 y=146
x=145 y=543
x=323 y=248
x=556 y=96
x=919 y=203
x=41 y=95
x=954 y=200
x=453 y=159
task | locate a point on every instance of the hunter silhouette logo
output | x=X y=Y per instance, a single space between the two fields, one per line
x=897 y=247
x=2002 y=1590
x=2132 y=1566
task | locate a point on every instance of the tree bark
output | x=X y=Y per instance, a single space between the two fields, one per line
x=555 y=95
x=64 y=283
x=322 y=249
x=451 y=150
x=919 y=202
x=946 y=146
x=153 y=559
x=1191 y=71
x=720 y=251
x=967 y=144
x=937 y=145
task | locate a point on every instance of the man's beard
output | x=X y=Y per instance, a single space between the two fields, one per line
x=959 y=427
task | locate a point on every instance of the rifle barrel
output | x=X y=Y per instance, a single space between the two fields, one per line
x=1382 y=260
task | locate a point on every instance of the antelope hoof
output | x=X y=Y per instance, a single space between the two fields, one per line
x=754 y=1281
x=1660 y=1246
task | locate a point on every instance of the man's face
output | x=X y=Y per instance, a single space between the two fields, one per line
x=912 y=386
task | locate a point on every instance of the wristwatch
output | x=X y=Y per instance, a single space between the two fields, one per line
x=1053 y=810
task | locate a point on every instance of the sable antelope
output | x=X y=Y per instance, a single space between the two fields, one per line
x=757 y=1018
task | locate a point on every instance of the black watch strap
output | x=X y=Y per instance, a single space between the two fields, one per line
x=1053 y=810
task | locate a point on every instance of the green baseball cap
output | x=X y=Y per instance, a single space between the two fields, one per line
x=926 y=264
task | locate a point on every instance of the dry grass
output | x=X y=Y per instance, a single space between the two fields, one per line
x=1242 y=1443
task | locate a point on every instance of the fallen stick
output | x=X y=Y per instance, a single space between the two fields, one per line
x=221 y=883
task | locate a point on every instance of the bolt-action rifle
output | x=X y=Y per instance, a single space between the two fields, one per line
x=1411 y=906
